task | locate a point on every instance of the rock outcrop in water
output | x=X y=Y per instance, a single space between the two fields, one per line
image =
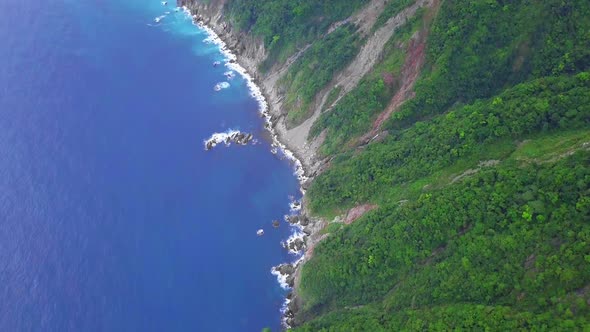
x=228 y=138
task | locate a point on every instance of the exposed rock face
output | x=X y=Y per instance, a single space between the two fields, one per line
x=251 y=53
x=301 y=220
x=250 y=50
x=287 y=270
x=297 y=245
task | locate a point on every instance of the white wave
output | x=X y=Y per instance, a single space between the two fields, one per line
x=276 y=146
x=229 y=137
x=255 y=92
x=281 y=278
x=297 y=235
x=220 y=86
x=229 y=74
x=295 y=206
x=218 y=138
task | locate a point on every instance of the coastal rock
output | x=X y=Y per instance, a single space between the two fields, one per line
x=306 y=184
x=252 y=53
x=227 y=138
x=286 y=269
x=276 y=224
x=291 y=280
x=303 y=221
x=297 y=244
x=296 y=205
x=293 y=219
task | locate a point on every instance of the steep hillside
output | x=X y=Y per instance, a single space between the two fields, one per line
x=449 y=145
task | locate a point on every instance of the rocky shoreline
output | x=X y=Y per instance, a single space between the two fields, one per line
x=302 y=242
x=247 y=52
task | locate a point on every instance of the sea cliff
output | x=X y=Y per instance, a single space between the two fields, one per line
x=250 y=53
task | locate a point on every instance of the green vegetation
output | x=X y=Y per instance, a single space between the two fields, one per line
x=541 y=105
x=477 y=48
x=482 y=182
x=315 y=69
x=286 y=25
x=354 y=113
x=548 y=147
x=332 y=97
x=511 y=240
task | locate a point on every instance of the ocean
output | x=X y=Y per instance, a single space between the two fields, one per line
x=113 y=217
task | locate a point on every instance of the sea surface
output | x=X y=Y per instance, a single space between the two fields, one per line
x=113 y=217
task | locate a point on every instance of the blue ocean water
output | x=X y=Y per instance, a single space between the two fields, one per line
x=112 y=215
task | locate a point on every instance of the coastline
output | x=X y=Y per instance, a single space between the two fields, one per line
x=306 y=230
x=232 y=62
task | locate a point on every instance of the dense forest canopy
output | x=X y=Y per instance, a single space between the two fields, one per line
x=286 y=25
x=481 y=176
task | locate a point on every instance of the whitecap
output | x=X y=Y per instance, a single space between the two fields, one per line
x=229 y=74
x=218 y=138
x=297 y=235
x=281 y=278
x=220 y=86
x=229 y=137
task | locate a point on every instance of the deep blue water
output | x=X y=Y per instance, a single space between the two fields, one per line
x=112 y=215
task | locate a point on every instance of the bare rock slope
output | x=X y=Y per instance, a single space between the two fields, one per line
x=251 y=53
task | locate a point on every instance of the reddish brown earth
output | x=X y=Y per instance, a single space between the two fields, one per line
x=357 y=212
x=409 y=75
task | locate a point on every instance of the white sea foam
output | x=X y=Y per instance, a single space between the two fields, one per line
x=229 y=137
x=218 y=138
x=255 y=92
x=297 y=235
x=281 y=278
x=220 y=86
x=295 y=205
x=229 y=74
x=276 y=146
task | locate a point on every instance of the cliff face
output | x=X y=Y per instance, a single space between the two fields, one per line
x=251 y=53
x=450 y=220
x=249 y=49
